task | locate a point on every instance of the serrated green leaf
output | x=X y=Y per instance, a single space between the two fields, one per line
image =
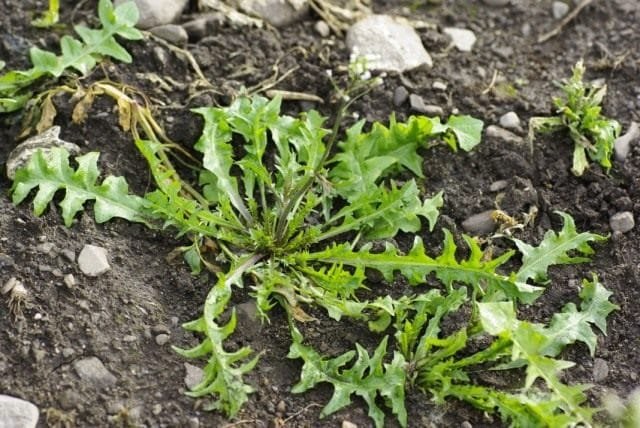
x=416 y=265
x=467 y=130
x=224 y=371
x=51 y=172
x=555 y=249
x=367 y=377
x=573 y=325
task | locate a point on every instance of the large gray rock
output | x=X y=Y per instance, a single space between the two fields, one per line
x=92 y=371
x=17 y=413
x=278 y=13
x=388 y=45
x=45 y=142
x=157 y=12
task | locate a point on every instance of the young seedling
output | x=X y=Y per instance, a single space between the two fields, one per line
x=79 y=55
x=579 y=110
x=50 y=17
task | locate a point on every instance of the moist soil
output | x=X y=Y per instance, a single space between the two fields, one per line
x=118 y=316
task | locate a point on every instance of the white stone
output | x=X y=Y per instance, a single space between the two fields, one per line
x=322 y=28
x=93 y=260
x=157 y=12
x=496 y=2
x=172 y=33
x=622 y=145
x=461 y=38
x=278 y=13
x=17 y=413
x=559 y=9
x=510 y=120
x=388 y=45
x=438 y=85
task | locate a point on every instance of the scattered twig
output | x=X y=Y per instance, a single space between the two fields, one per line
x=293 y=95
x=492 y=83
x=299 y=412
x=543 y=38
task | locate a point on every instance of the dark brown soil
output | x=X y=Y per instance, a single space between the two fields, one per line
x=116 y=317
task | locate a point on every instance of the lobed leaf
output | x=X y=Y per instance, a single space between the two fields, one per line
x=367 y=377
x=555 y=249
x=51 y=172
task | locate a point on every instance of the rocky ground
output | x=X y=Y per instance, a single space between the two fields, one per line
x=91 y=346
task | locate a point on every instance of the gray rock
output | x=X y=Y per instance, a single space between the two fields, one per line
x=499 y=185
x=162 y=339
x=278 y=13
x=172 y=33
x=93 y=260
x=510 y=120
x=193 y=422
x=417 y=103
x=322 y=28
x=92 y=370
x=466 y=424
x=45 y=247
x=154 y=13
x=622 y=222
x=461 y=38
x=496 y=2
x=69 y=280
x=622 y=145
x=480 y=224
x=502 y=134
x=600 y=370
x=45 y=141
x=400 y=95
x=559 y=9
x=439 y=86
x=17 y=413
x=387 y=44
x=193 y=375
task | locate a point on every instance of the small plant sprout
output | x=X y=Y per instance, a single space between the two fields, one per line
x=579 y=110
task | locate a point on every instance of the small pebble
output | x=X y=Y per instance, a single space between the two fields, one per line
x=68 y=352
x=162 y=339
x=600 y=370
x=499 y=185
x=502 y=134
x=193 y=422
x=93 y=260
x=348 y=424
x=129 y=338
x=510 y=121
x=322 y=28
x=466 y=424
x=559 y=9
x=157 y=409
x=281 y=407
x=461 y=38
x=45 y=247
x=69 y=255
x=160 y=328
x=622 y=222
x=193 y=375
x=400 y=95
x=69 y=280
x=496 y=2
x=480 y=224
x=440 y=86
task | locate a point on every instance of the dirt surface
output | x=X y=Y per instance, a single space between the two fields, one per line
x=117 y=317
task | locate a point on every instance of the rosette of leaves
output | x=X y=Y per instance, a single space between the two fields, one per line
x=579 y=112
x=293 y=210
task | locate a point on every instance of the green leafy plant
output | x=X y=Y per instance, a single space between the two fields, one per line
x=294 y=210
x=79 y=55
x=579 y=112
x=50 y=17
